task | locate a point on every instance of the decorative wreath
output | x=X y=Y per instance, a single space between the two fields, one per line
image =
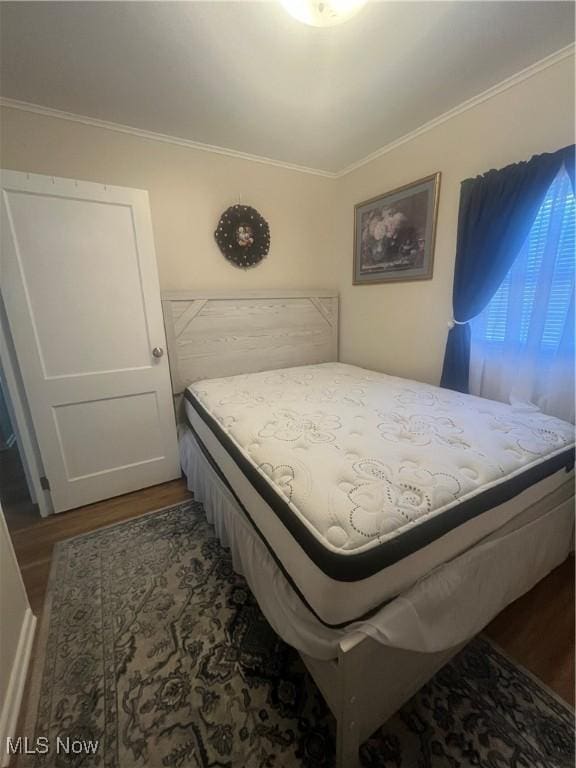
x=243 y=235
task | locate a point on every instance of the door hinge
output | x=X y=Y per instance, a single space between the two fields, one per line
x=44 y=484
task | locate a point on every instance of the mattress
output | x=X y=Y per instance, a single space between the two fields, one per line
x=361 y=483
x=444 y=609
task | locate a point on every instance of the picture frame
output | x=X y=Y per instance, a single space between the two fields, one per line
x=395 y=233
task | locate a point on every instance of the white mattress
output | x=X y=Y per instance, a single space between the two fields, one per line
x=361 y=483
x=442 y=610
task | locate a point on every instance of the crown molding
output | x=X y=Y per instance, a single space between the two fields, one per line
x=38 y=109
x=494 y=90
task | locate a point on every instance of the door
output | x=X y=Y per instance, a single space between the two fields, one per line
x=80 y=287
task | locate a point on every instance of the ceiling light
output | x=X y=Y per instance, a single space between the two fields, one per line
x=322 y=13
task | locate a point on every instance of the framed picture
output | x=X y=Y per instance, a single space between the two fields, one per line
x=394 y=234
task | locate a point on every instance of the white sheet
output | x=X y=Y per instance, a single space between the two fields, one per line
x=447 y=607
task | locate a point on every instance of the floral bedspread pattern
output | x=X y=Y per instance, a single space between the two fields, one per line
x=361 y=456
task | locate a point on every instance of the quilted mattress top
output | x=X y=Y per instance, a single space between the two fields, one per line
x=360 y=458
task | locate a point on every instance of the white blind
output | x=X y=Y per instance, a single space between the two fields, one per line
x=532 y=307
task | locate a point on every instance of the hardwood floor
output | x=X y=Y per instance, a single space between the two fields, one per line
x=537 y=630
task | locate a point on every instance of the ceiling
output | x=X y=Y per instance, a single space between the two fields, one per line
x=247 y=77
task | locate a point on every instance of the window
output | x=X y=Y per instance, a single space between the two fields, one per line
x=522 y=349
x=532 y=309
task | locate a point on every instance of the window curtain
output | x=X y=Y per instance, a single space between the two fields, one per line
x=496 y=213
x=522 y=348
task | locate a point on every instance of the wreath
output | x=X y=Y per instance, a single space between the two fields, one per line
x=243 y=235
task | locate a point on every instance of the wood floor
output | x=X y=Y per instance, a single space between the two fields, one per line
x=537 y=630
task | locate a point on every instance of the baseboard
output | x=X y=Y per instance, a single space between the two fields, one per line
x=13 y=699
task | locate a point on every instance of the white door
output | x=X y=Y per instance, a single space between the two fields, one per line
x=79 y=282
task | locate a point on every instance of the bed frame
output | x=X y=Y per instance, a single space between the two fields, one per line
x=211 y=335
x=218 y=334
x=367 y=684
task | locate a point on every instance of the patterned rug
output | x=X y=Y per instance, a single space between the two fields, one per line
x=156 y=649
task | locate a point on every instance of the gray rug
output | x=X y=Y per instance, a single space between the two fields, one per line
x=156 y=649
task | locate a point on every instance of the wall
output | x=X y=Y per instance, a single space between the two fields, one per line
x=188 y=189
x=401 y=328
x=16 y=634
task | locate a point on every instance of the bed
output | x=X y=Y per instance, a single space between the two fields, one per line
x=380 y=522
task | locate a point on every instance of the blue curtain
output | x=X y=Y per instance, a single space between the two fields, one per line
x=496 y=213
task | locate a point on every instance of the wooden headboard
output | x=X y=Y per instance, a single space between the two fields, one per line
x=214 y=335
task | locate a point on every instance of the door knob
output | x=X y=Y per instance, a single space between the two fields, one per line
x=157 y=351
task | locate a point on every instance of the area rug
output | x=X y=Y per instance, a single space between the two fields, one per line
x=156 y=654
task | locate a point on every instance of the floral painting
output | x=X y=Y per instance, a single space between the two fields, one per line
x=394 y=234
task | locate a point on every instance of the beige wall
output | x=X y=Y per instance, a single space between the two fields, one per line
x=401 y=328
x=14 y=638
x=188 y=189
x=13 y=605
